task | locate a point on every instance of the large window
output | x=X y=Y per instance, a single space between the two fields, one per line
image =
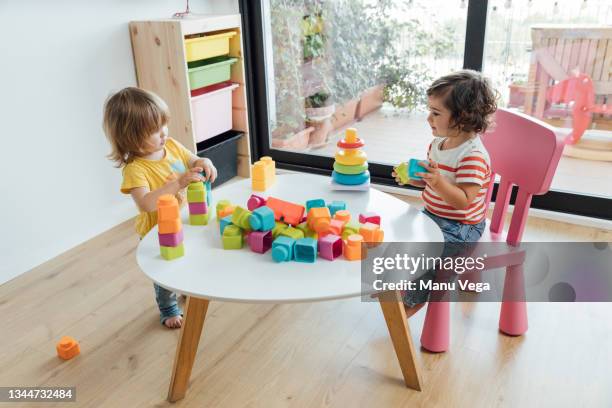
x=317 y=67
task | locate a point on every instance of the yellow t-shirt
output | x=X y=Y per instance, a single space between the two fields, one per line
x=154 y=174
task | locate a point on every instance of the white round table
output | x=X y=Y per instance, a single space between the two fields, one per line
x=208 y=272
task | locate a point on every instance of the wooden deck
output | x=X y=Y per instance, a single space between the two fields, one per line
x=391 y=139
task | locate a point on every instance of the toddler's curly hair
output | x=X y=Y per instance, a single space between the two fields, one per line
x=469 y=97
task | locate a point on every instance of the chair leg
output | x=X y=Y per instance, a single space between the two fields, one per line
x=435 y=336
x=513 y=313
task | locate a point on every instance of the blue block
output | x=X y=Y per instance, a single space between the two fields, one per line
x=315 y=203
x=224 y=222
x=208 y=192
x=351 y=179
x=282 y=249
x=305 y=250
x=336 y=206
x=262 y=219
x=415 y=167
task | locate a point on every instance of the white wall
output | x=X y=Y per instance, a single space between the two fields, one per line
x=58 y=62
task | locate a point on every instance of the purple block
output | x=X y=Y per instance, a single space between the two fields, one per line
x=330 y=247
x=171 y=240
x=255 y=201
x=369 y=217
x=260 y=241
x=198 y=208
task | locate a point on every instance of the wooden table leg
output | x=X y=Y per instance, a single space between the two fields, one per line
x=395 y=316
x=195 y=312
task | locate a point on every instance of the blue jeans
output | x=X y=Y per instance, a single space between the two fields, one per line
x=456 y=234
x=166 y=302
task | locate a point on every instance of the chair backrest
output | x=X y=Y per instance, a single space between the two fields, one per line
x=524 y=152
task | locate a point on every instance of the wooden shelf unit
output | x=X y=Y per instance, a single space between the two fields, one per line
x=161 y=66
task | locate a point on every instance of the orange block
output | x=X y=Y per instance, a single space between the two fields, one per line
x=335 y=227
x=170 y=226
x=319 y=219
x=228 y=210
x=289 y=213
x=342 y=215
x=352 y=248
x=371 y=233
x=67 y=348
x=167 y=208
x=263 y=174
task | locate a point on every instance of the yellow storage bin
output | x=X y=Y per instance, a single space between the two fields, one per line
x=208 y=46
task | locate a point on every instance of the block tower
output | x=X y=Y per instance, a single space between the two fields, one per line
x=263 y=174
x=351 y=166
x=197 y=197
x=170 y=228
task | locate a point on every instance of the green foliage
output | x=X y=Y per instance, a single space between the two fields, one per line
x=318 y=100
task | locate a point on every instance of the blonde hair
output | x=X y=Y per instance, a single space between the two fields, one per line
x=131 y=116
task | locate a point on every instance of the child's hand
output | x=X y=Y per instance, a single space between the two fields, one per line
x=209 y=169
x=432 y=178
x=190 y=176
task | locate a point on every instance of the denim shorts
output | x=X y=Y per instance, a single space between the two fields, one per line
x=456 y=235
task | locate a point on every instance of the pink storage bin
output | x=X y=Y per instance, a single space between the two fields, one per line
x=212 y=111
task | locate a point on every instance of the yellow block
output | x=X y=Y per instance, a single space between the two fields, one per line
x=351 y=157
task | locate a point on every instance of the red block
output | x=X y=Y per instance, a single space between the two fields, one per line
x=285 y=211
x=372 y=217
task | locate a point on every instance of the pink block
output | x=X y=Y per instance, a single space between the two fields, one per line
x=260 y=241
x=369 y=217
x=198 y=208
x=171 y=240
x=255 y=201
x=330 y=247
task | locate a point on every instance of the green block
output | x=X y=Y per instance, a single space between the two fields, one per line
x=221 y=205
x=198 y=219
x=278 y=228
x=170 y=253
x=308 y=233
x=349 y=229
x=232 y=237
x=241 y=217
x=196 y=196
x=292 y=233
x=402 y=173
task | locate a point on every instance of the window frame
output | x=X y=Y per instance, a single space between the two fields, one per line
x=251 y=11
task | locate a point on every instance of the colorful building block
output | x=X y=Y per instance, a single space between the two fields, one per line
x=372 y=217
x=305 y=250
x=371 y=233
x=291 y=232
x=336 y=206
x=263 y=174
x=262 y=219
x=278 y=228
x=198 y=208
x=317 y=202
x=286 y=211
x=336 y=227
x=240 y=217
x=229 y=210
x=255 y=201
x=222 y=205
x=414 y=167
x=232 y=237
x=319 y=219
x=401 y=171
x=170 y=240
x=330 y=247
x=224 y=222
x=67 y=348
x=342 y=215
x=172 y=252
x=282 y=249
x=352 y=248
x=196 y=192
x=199 y=219
x=349 y=229
x=259 y=241
x=208 y=189
x=167 y=208
x=308 y=233
x=170 y=226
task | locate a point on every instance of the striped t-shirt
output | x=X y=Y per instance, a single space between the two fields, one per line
x=466 y=163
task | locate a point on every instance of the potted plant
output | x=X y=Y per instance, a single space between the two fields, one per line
x=319 y=111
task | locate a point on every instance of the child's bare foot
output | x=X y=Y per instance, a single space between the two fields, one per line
x=410 y=310
x=174 y=322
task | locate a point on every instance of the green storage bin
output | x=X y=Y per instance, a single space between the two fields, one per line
x=210 y=71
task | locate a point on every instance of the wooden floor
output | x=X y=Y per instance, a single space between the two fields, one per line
x=329 y=354
x=392 y=139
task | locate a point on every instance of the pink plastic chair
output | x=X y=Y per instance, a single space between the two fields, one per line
x=525 y=152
